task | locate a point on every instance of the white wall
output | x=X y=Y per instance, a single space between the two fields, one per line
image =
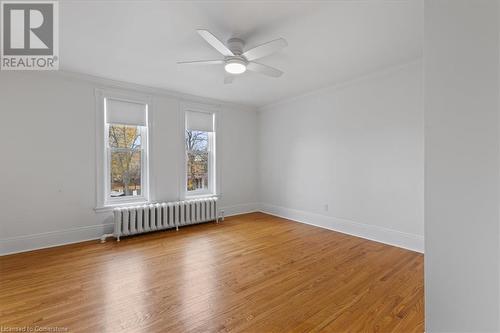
x=462 y=166
x=357 y=148
x=48 y=165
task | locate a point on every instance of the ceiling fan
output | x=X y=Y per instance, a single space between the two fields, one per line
x=237 y=61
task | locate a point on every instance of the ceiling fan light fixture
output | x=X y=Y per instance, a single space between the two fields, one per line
x=235 y=66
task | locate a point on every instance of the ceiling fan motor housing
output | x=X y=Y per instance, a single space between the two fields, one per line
x=236 y=64
x=236 y=46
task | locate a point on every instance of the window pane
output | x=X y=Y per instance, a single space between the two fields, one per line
x=197 y=160
x=123 y=136
x=125 y=173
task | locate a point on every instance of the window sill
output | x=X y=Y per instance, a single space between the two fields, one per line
x=200 y=196
x=109 y=208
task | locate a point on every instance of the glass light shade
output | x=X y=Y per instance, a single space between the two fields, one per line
x=235 y=67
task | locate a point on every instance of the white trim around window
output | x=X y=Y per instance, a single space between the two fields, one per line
x=104 y=200
x=214 y=152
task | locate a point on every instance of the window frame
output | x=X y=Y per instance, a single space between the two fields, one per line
x=103 y=180
x=213 y=154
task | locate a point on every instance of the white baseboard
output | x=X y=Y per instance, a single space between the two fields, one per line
x=239 y=209
x=75 y=235
x=379 y=234
x=52 y=238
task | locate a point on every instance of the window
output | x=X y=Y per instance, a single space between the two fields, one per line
x=200 y=153
x=126 y=160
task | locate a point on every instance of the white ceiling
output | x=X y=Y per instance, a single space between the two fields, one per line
x=329 y=42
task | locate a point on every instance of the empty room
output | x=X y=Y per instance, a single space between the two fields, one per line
x=250 y=166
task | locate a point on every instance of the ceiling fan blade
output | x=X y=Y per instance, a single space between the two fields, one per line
x=215 y=42
x=265 y=49
x=201 y=62
x=263 y=69
x=228 y=79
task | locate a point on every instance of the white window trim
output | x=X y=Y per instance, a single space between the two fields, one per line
x=103 y=202
x=214 y=162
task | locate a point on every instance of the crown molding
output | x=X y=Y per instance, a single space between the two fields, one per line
x=102 y=82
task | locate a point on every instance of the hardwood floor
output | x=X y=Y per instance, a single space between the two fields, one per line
x=251 y=273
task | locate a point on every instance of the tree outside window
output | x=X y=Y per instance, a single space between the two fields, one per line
x=197 y=151
x=125 y=160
